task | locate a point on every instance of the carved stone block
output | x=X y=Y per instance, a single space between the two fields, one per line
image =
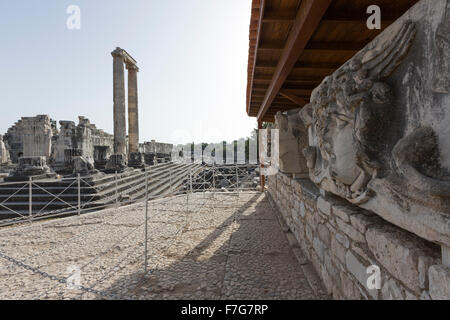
x=379 y=127
x=292 y=141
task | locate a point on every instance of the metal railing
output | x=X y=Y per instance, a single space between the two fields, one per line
x=157 y=187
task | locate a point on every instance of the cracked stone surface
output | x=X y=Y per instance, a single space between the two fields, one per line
x=222 y=246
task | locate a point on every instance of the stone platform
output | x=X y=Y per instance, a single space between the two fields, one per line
x=220 y=246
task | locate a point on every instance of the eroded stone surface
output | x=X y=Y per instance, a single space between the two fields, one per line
x=378 y=126
x=400 y=254
x=439 y=282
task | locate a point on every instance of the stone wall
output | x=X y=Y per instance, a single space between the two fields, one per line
x=14 y=137
x=343 y=240
x=156 y=147
x=38 y=136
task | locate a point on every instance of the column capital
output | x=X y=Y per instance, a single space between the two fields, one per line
x=117 y=53
x=131 y=66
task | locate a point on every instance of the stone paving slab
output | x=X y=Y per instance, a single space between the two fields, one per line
x=225 y=246
x=265 y=276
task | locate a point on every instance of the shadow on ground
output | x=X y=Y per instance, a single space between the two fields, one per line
x=225 y=251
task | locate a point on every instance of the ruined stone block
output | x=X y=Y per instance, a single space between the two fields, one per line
x=338 y=250
x=350 y=231
x=324 y=206
x=358 y=269
x=324 y=235
x=439 y=276
x=399 y=253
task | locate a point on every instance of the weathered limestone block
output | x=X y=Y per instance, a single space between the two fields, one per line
x=136 y=160
x=379 y=126
x=343 y=212
x=14 y=139
x=324 y=235
x=4 y=153
x=83 y=140
x=400 y=252
x=361 y=221
x=31 y=167
x=350 y=231
x=83 y=166
x=358 y=269
x=439 y=282
x=64 y=141
x=349 y=290
x=342 y=239
x=37 y=136
x=392 y=290
x=338 y=250
x=158 y=150
x=292 y=141
x=324 y=206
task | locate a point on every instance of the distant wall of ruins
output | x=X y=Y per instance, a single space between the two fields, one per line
x=38 y=136
x=156 y=147
x=4 y=153
x=82 y=138
x=30 y=136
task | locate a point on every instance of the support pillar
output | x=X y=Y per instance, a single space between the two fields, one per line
x=133 y=118
x=119 y=103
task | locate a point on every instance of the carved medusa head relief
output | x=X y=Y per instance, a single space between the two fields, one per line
x=348 y=114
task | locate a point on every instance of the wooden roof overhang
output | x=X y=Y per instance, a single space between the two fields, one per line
x=295 y=44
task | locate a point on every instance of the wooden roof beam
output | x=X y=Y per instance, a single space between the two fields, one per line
x=308 y=18
x=264 y=78
x=278 y=16
x=316 y=46
x=258 y=34
x=294 y=98
x=301 y=66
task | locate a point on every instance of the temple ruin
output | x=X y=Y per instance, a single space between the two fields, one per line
x=122 y=152
x=39 y=139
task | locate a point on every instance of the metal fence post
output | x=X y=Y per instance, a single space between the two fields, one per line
x=237 y=178
x=214 y=176
x=187 y=196
x=204 y=181
x=190 y=180
x=79 y=194
x=117 y=194
x=170 y=180
x=146 y=221
x=30 y=198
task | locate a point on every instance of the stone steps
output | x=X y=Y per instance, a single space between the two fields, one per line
x=163 y=179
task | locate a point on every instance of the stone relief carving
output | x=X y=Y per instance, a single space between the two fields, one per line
x=441 y=81
x=292 y=140
x=420 y=175
x=348 y=114
x=379 y=126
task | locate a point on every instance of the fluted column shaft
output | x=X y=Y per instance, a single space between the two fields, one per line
x=133 y=116
x=120 y=146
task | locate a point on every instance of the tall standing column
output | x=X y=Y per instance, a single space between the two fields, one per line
x=119 y=103
x=133 y=117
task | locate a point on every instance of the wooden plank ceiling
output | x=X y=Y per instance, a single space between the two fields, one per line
x=294 y=44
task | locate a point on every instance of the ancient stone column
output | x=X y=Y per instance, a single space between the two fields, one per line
x=133 y=118
x=119 y=103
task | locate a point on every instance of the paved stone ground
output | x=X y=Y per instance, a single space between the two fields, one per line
x=225 y=246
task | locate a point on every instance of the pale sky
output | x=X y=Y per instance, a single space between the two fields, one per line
x=192 y=56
